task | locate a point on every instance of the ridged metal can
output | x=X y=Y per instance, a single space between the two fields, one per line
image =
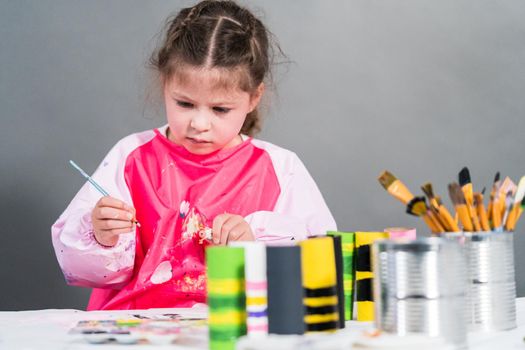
x=441 y=317
x=492 y=306
x=491 y=290
x=420 y=288
x=490 y=256
x=424 y=268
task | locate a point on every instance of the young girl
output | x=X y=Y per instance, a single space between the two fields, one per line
x=200 y=176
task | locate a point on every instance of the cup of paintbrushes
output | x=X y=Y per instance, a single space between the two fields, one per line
x=491 y=289
x=420 y=288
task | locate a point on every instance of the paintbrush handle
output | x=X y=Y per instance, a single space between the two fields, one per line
x=511 y=219
x=520 y=211
x=462 y=211
x=95 y=184
x=506 y=215
x=502 y=206
x=484 y=221
x=400 y=191
x=474 y=217
x=489 y=211
x=430 y=223
x=445 y=214
x=91 y=181
x=441 y=222
x=439 y=228
x=496 y=215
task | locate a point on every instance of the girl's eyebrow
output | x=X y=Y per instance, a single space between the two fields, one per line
x=177 y=95
x=181 y=96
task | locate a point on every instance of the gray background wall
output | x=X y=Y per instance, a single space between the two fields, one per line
x=422 y=88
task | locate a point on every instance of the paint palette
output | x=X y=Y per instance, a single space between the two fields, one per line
x=130 y=331
x=120 y=336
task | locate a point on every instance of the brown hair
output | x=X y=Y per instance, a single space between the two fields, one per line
x=217 y=34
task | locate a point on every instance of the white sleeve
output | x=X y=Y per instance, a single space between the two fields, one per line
x=82 y=259
x=300 y=210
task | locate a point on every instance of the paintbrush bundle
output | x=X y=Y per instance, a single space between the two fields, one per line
x=504 y=208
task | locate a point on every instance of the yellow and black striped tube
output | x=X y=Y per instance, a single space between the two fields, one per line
x=226 y=296
x=319 y=282
x=364 y=275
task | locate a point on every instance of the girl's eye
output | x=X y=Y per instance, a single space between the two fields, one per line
x=222 y=110
x=184 y=104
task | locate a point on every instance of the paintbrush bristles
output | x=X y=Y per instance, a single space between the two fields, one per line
x=478 y=199
x=520 y=191
x=461 y=195
x=452 y=194
x=495 y=185
x=464 y=177
x=456 y=194
x=386 y=179
x=428 y=190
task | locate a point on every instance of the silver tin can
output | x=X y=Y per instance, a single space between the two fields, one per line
x=420 y=287
x=491 y=290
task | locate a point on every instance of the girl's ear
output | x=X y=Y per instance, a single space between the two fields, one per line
x=255 y=98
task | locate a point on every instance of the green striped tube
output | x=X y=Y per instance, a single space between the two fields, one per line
x=348 y=245
x=226 y=296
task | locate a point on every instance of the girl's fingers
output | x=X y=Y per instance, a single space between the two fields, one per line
x=236 y=232
x=108 y=201
x=107 y=225
x=103 y=213
x=112 y=217
x=241 y=232
x=111 y=202
x=228 y=227
x=233 y=228
x=226 y=230
x=107 y=240
x=116 y=232
x=217 y=227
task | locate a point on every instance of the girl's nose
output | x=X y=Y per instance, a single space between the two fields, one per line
x=201 y=122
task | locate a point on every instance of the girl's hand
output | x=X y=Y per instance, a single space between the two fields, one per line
x=111 y=217
x=230 y=227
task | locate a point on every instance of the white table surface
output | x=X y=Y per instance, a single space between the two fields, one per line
x=48 y=329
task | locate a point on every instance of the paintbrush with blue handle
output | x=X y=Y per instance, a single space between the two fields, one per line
x=95 y=184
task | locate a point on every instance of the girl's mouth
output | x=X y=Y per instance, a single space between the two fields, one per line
x=197 y=141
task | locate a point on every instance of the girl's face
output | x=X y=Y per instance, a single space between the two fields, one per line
x=203 y=115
